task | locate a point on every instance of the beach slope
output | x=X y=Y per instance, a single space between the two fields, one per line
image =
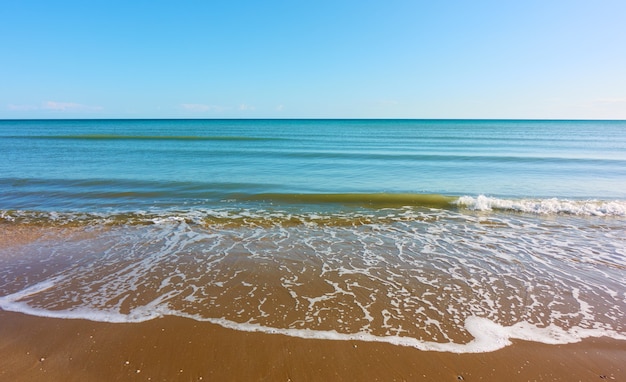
x=179 y=349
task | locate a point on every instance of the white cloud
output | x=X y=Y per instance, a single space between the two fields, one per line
x=14 y=107
x=68 y=106
x=60 y=106
x=198 y=107
x=195 y=107
x=280 y=107
x=245 y=107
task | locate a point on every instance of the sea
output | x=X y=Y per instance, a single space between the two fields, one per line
x=444 y=235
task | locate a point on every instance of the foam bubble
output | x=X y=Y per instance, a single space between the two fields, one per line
x=442 y=280
x=488 y=336
x=545 y=206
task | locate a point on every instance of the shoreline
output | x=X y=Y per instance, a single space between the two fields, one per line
x=174 y=348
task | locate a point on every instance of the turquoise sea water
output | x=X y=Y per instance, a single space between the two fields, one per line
x=414 y=232
x=130 y=164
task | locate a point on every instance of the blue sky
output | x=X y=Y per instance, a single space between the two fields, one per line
x=319 y=59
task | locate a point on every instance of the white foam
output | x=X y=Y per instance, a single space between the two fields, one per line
x=434 y=276
x=12 y=303
x=33 y=289
x=545 y=206
x=487 y=335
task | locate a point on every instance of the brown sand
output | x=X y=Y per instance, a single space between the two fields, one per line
x=178 y=349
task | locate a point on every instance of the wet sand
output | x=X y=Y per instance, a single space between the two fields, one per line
x=179 y=349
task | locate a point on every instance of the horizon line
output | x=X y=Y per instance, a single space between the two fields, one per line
x=307 y=119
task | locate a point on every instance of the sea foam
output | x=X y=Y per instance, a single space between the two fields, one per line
x=450 y=280
x=545 y=206
x=488 y=336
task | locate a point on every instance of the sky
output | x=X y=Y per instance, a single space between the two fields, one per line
x=534 y=59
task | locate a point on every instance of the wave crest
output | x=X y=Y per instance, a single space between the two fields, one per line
x=544 y=206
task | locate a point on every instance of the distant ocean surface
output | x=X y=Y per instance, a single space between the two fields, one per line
x=447 y=235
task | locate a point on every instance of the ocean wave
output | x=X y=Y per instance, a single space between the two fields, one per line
x=450 y=280
x=380 y=200
x=544 y=206
x=265 y=210
x=104 y=137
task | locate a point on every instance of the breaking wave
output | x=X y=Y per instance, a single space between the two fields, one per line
x=545 y=206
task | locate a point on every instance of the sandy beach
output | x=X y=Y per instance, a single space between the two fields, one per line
x=329 y=191
x=178 y=349
x=124 y=244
